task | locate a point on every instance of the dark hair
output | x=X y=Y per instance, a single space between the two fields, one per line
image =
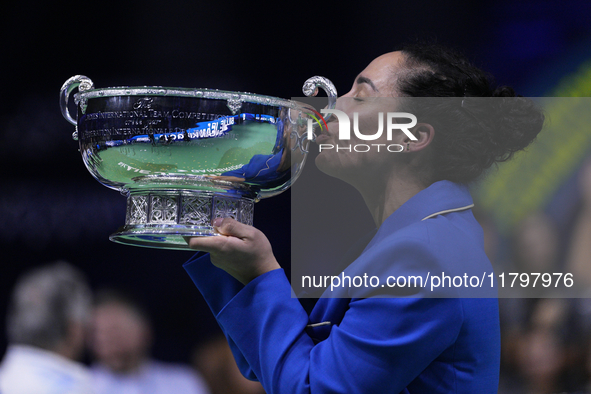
x=126 y=299
x=44 y=302
x=471 y=134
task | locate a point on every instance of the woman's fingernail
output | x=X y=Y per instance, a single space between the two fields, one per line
x=217 y=222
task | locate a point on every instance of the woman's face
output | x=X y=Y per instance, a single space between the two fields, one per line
x=373 y=92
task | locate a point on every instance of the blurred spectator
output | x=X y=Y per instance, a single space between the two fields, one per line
x=579 y=264
x=586 y=363
x=45 y=327
x=579 y=256
x=537 y=244
x=121 y=341
x=535 y=350
x=215 y=361
x=542 y=362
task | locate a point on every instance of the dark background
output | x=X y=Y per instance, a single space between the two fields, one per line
x=50 y=206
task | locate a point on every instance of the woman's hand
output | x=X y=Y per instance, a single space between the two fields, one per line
x=241 y=250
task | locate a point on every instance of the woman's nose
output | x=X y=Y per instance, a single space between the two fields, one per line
x=349 y=94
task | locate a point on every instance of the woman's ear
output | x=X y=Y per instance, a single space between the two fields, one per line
x=424 y=133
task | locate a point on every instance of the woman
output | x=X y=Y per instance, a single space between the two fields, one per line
x=363 y=343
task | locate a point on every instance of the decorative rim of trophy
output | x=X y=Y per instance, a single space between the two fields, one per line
x=234 y=98
x=184 y=157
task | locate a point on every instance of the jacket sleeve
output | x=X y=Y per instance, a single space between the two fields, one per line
x=380 y=345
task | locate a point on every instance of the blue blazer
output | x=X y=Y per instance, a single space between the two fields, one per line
x=370 y=343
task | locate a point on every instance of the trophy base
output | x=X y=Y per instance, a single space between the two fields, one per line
x=162 y=218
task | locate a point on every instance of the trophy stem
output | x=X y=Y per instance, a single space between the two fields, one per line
x=162 y=218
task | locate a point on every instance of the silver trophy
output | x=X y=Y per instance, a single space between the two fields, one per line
x=184 y=157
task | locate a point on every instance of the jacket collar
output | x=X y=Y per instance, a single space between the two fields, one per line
x=439 y=198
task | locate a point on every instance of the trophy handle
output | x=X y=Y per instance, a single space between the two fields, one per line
x=78 y=81
x=311 y=86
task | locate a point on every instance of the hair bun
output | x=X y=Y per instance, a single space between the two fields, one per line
x=503 y=91
x=518 y=122
x=485 y=124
